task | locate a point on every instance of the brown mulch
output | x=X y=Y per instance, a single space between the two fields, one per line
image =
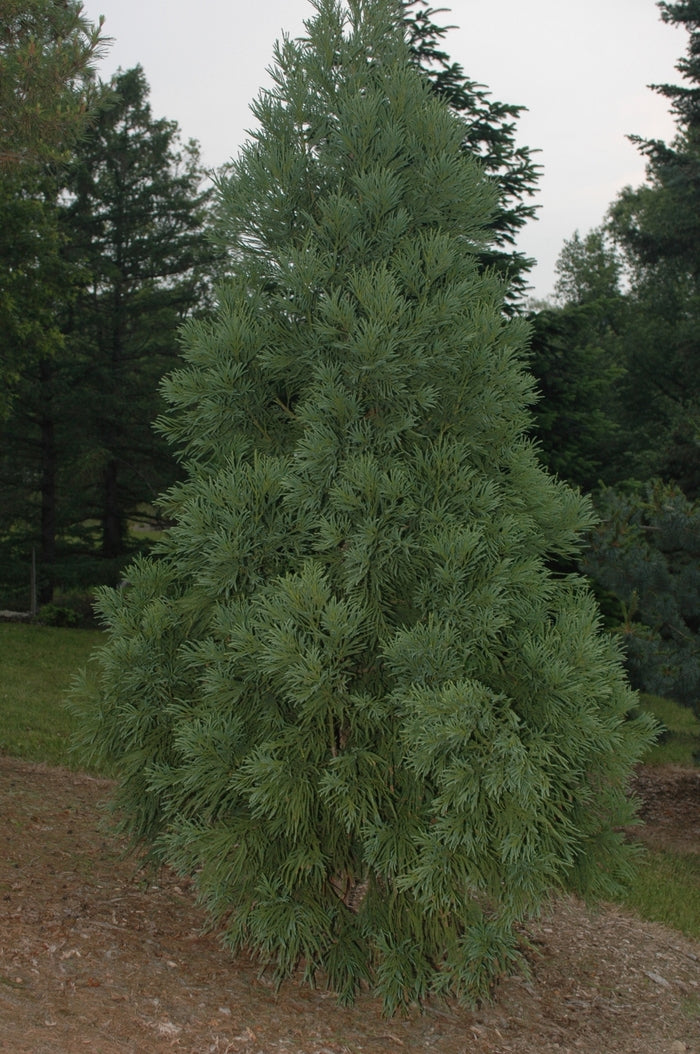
x=670 y=808
x=96 y=956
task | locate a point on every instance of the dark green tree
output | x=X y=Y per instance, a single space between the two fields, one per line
x=577 y=361
x=47 y=89
x=37 y=286
x=349 y=697
x=489 y=135
x=36 y=509
x=658 y=224
x=589 y=270
x=660 y=221
x=646 y=552
x=135 y=221
x=48 y=50
x=116 y=265
x=32 y=275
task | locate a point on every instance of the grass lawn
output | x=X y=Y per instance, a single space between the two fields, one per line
x=38 y=664
x=679 y=742
x=666 y=888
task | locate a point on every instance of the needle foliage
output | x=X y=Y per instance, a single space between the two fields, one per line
x=347 y=694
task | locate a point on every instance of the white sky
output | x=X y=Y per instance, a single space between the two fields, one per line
x=581 y=69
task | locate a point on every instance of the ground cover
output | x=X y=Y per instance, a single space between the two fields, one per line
x=38 y=663
x=98 y=955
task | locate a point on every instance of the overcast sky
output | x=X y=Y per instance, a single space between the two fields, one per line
x=581 y=69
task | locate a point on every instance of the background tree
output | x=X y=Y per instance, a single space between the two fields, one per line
x=48 y=51
x=135 y=221
x=349 y=697
x=32 y=275
x=657 y=225
x=489 y=135
x=128 y=253
x=37 y=285
x=646 y=552
x=578 y=363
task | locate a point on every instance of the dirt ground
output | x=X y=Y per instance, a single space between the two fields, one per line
x=95 y=957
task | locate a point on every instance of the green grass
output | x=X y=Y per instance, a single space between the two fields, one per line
x=666 y=888
x=680 y=742
x=666 y=885
x=37 y=664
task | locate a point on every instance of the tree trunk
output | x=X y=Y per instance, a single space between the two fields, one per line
x=49 y=462
x=112 y=522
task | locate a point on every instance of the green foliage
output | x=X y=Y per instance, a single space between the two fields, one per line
x=679 y=739
x=658 y=228
x=646 y=550
x=135 y=221
x=633 y=355
x=589 y=271
x=349 y=697
x=576 y=419
x=38 y=664
x=489 y=128
x=661 y=218
x=578 y=365
x=33 y=277
x=125 y=267
x=47 y=55
x=666 y=889
x=72 y=607
x=57 y=615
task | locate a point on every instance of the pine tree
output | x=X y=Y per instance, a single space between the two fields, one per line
x=646 y=553
x=576 y=359
x=658 y=226
x=489 y=135
x=349 y=697
x=135 y=220
x=48 y=50
x=103 y=262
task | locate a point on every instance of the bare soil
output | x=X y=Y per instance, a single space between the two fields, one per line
x=95 y=956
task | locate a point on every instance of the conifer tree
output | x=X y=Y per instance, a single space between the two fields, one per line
x=48 y=50
x=658 y=227
x=135 y=218
x=349 y=697
x=576 y=359
x=489 y=134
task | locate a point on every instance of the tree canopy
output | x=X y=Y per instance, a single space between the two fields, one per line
x=48 y=51
x=135 y=220
x=658 y=227
x=122 y=258
x=489 y=135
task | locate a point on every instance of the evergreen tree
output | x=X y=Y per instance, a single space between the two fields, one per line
x=658 y=224
x=47 y=53
x=489 y=135
x=646 y=552
x=135 y=220
x=577 y=361
x=117 y=255
x=32 y=275
x=47 y=91
x=37 y=285
x=349 y=697
x=589 y=270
